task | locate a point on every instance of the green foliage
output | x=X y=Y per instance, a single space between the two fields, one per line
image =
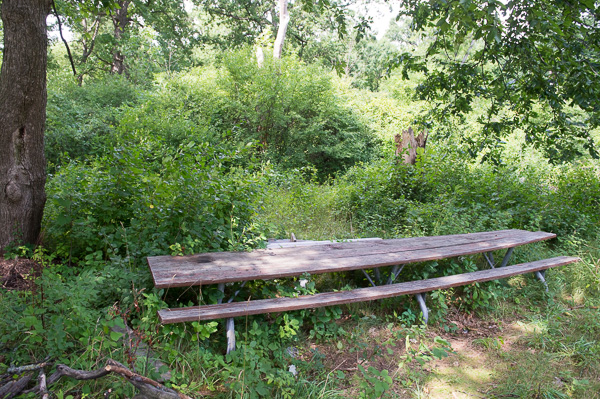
x=246 y=22
x=292 y=110
x=442 y=195
x=375 y=383
x=133 y=203
x=376 y=196
x=483 y=50
x=217 y=157
x=295 y=203
x=147 y=36
x=81 y=120
x=370 y=66
x=63 y=315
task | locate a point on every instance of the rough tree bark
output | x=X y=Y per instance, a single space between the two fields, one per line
x=407 y=144
x=120 y=23
x=22 y=120
x=284 y=19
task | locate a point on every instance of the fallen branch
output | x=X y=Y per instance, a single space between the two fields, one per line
x=148 y=388
x=42 y=385
x=13 y=388
x=29 y=367
x=139 y=349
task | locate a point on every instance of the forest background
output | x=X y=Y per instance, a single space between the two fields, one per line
x=165 y=134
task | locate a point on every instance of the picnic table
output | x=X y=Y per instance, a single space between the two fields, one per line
x=281 y=260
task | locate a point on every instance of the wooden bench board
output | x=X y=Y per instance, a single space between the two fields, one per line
x=235 y=309
x=225 y=267
x=277 y=244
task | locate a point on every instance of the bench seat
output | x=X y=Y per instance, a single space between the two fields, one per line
x=236 y=309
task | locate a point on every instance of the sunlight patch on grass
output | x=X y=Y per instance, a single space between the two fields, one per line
x=531 y=327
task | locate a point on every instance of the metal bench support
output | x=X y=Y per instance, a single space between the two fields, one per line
x=489 y=256
x=394 y=273
x=421 y=300
x=369 y=278
x=507 y=257
x=229 y=323
x=541 y=276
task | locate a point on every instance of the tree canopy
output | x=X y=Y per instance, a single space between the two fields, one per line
x=535 y=63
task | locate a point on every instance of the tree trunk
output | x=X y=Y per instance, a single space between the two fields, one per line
x=284 y=19
x=120 y=22
x=22 y=120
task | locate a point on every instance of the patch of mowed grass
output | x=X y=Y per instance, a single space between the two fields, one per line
x=556 y=354
x=553 y=359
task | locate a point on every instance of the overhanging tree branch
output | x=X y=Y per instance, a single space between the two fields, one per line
x=63 y=38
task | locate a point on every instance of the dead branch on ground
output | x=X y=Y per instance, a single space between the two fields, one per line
x=148 y=388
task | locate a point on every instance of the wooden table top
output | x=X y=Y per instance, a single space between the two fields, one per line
x=263 y=264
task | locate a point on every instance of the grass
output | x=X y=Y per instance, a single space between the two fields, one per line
x=305 y=209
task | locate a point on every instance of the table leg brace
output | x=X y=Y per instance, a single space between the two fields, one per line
x=489 y=256
x=396 y=270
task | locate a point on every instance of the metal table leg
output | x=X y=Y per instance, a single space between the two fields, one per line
x=229 y=323
x=421 y=300
x=541 y=276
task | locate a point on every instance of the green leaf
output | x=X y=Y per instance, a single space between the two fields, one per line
x=439 y=353
x=115 y=336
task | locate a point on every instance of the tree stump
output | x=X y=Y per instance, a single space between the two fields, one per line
x=407 y=144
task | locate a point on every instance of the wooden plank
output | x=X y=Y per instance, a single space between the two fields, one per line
x=235 y=309
x=223 y=267
x=307 y=243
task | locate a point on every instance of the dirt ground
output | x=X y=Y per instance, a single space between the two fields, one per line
x=18 y=274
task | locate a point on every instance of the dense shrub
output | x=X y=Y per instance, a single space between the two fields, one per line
x=81 y=120
x=291 y=109
x=133 y=203
x=442 y=195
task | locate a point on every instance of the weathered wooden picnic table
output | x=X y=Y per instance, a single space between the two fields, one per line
x=327 y=257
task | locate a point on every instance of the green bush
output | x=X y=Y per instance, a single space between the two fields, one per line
x=295 y=202
x=289 y=107
x=81 y=121
x=377 y=196
x=66 y=310
x=292 y=110
x=443 y=195
x=134 y=203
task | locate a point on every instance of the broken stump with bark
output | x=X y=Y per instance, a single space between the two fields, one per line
x=407 y=144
